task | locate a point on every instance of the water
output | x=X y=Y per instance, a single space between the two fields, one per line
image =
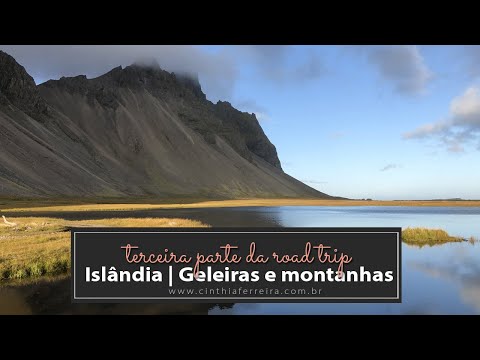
x=443 y=279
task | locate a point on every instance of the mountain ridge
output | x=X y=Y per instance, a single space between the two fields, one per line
x=133 y=131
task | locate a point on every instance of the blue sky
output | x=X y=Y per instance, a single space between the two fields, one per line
x=381 y=122
x=344 y=130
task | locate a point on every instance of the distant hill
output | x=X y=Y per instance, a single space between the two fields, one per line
x=134 y=131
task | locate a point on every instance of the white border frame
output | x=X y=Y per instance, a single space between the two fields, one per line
x=236 y=298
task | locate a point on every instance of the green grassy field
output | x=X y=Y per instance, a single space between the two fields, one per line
x=41 y=246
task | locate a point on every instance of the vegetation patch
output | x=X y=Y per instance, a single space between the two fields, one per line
x=425 y=236
x=38 y=247
x=99 y=204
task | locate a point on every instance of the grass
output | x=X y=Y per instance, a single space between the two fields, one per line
x=424 y=236
x=53 y=205
x=473 y=240
x=41 y=246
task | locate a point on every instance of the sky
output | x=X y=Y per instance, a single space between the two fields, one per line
x=380 y=122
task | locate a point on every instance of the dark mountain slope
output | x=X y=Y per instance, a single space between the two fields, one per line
x=135 y=131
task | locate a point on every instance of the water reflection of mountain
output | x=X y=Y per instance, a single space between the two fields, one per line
x=53 y=297
x=216 y=217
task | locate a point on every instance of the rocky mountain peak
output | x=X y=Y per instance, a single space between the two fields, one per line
x=149 y=74
x=144 y=74
x=191 y=82
x=18 y=87
x=253 y=135
x=134 y=131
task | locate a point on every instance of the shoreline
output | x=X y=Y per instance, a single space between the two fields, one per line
x=65 y=205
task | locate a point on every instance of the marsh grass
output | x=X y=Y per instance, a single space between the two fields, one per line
x=41 y=246
x=59 y=205
x=425 y=236
x=473 y=240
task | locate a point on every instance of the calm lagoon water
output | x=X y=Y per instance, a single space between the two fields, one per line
x=443 y=279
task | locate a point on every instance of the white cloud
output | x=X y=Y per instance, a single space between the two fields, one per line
x=465 y=108
x=218 y=70
x=427 y=130
x=403 y=66
x=390 y=167
x=272 y=62
x=462 y=126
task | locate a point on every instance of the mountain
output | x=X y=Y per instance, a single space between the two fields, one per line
x=134 y=131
